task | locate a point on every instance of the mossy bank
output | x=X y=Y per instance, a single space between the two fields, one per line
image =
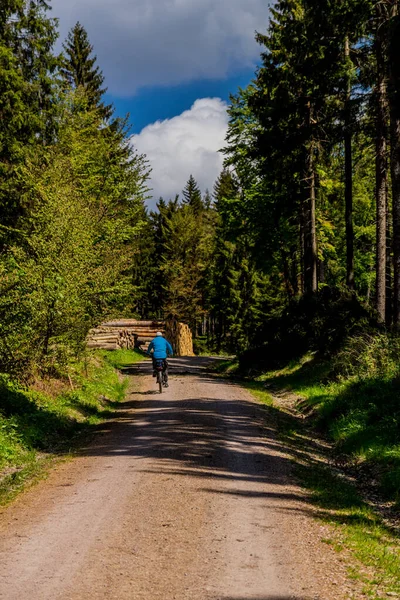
x=46 y=419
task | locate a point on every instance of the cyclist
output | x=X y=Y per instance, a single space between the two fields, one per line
x=161 y=350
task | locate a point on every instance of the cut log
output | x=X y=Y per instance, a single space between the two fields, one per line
x=103 y=346
x=104 y=338
x=144 y=340
x=127 y=323
x=180 y=337
x=130 y=333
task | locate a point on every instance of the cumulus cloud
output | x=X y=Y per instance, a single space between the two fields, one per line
x=166 y=42
x=187 y=144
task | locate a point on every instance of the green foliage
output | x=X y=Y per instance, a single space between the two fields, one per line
x=192 y=196
x=353 y=396
x=79 y=70
x=183 y=264
x=122 y=359
x=69 y=264
x=317 y=323
x=27 y=94
x=33 y=421
x=354 y=525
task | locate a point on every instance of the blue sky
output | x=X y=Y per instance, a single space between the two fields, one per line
x=158 y=103
x=172 y=65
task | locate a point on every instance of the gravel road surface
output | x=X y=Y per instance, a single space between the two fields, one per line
x=184 y=495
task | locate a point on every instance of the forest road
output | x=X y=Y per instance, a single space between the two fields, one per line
x=184 y=495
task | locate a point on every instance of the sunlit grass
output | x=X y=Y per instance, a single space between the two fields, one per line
x=120 y=359
x=356 y=526
x=35 y=425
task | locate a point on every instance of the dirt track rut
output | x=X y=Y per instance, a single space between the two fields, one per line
x=185 y=495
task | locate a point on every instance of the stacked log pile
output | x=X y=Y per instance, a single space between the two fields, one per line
x=125 y=333
x=130 y=334
x=180 y=337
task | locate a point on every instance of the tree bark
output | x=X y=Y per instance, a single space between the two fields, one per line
x=310 y=234
x=302 y=248
x=381 y=169
x=349 y=182
x=310 y=231
x=389 y=265
x=395 y=170
x=394 y=102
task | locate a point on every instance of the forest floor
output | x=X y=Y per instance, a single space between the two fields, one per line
x=186 y=495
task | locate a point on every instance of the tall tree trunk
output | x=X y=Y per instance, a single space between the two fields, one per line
x=389 y=265
x=395 y=169
x=381 y=169
x=310 y=234
x=294 y=269
x=349 y=182
x=310 y=231
x=286 y=272
x=394 y=101
x=302 y=244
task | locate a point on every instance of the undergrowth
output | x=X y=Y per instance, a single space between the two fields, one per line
x=350 y=396
x=354 y=398
x=356 y=526
x=36 y=423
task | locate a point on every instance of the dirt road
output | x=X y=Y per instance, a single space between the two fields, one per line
x=185 y=495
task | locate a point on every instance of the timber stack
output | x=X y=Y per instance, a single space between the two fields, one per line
x=124 y=333
x=180 y=337
x=130 y=334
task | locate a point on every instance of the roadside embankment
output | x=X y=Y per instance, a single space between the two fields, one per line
x=341 y=417
x=45 y=420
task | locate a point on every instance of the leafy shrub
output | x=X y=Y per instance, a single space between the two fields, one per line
x=317 y=323
x=374 y=354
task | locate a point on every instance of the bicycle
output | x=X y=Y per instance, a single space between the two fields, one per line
x=161 y=378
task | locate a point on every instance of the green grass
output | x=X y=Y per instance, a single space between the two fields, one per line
x=355 y=526
x=121 y=359
x=358 y=528
x=36 y=426
x=361 y=415
x=226 y=367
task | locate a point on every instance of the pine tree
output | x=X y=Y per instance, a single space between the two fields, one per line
x=79 y=69
x=27 y=67
x=393 y=29
x=192 y=196
x=207 y=200
x=381 y=191
x=225 y=187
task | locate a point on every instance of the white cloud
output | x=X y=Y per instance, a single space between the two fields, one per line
x=187 y=144
x=166 y=42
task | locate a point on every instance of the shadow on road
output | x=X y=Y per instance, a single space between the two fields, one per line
x=223 y=438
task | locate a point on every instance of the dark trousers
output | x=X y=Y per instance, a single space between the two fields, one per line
x=165 y=366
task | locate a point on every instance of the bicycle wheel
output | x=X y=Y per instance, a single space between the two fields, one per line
x=160 y=381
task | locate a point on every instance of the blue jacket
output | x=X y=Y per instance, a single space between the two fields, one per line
x=161 y=347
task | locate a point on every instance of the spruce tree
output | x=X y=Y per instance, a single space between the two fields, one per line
x=192 y=196
x=225 y=187
x=27 y=67
x=393 y=29
x=79 y=69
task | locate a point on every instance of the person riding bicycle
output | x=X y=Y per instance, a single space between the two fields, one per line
x=161 y=350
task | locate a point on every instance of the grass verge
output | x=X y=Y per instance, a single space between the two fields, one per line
x=44 y=422
x=356 y=527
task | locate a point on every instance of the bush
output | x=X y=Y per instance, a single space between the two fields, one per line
x=316 y=323
x=374 y=354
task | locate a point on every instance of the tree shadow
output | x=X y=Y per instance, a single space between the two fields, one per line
x=37 y=425
x=224 y=439
x=230 y=440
